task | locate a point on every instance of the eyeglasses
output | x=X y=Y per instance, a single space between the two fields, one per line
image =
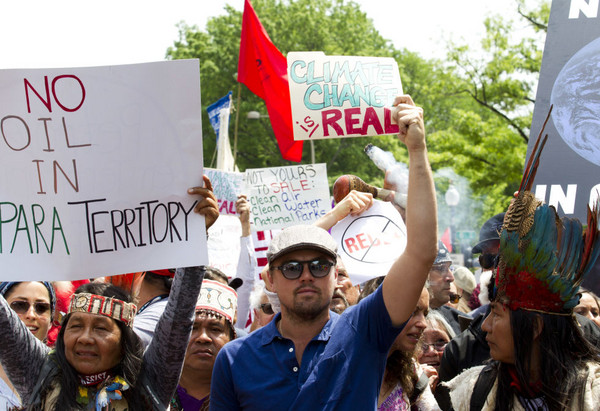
x=21 y=307
x=267 y=308
x=293 y=269
x=438 y=346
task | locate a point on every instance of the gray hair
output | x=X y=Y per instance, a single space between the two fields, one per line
x=436 y=319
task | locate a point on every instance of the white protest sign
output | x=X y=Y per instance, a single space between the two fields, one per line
x=224 y=244
x=96 y=163
x=371 y=242
x=342 y=96
x=227 y=185
x=284 y=196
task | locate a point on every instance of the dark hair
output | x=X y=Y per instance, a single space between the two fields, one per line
x=159 y=280
x=399 y=366
x=564 y=352
x=129 y=367
x=370 y=286
x=399 y=369
x=215 y=274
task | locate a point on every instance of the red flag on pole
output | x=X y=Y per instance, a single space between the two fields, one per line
x=263 y=69
x=447 y=239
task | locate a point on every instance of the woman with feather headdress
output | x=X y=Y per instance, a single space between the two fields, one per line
x=541 y=359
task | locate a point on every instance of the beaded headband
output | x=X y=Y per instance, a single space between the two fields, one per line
x=101 y=305
x=219 y=298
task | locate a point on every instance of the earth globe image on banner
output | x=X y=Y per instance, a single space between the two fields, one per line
x=576 y=100
x=373 y=239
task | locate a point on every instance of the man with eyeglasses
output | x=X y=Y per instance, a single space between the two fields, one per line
x=308 y=357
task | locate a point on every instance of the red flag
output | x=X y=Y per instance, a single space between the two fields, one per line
x=263 y=69
x=446 y=239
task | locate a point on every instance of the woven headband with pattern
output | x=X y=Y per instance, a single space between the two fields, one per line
x=110 y=307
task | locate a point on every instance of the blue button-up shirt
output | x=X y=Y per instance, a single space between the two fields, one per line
x=342 y=367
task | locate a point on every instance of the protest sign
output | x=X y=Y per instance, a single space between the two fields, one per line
x=96 y=163
x=342 y=96
x=568 y=176
x=371 y=242
x=224 y=244
x=226 y=186
x=284 y=196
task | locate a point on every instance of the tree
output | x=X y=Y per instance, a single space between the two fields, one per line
x=487 y=142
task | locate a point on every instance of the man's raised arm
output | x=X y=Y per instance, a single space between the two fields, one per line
x=404 y=282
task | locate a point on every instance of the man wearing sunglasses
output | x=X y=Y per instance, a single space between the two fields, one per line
x=308 y=357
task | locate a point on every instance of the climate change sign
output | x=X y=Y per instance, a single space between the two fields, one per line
x=342 y=96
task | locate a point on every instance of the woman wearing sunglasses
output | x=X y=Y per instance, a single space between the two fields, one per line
x=34 y=303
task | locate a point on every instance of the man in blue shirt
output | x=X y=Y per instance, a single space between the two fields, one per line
x=308 y=357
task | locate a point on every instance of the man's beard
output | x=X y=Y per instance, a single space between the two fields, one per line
x=335 y=305
x=308 y=310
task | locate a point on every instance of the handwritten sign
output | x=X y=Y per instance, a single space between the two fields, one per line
x=285 y=196
x=342 y=96
x=95 y=168
x=371 y=242
x=226 y=186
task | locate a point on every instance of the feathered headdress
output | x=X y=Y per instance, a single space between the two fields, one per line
x=543 y=259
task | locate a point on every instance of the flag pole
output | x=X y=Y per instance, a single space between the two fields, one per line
x=237 y=118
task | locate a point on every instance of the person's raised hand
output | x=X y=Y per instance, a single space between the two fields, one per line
x=410 y=122
x=208 y=206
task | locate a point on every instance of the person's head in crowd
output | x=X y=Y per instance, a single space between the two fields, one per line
x=302 y=272
x=153 y=283
x=402 y=355
x=588 y=306
x=435 y=338
x=213 y=328
x=345 y=294
x=34 y=302
x=465 y=283
x=489 y=241
x=533 y=336
x=440 y=278
x=96 y=340
x=261 y=307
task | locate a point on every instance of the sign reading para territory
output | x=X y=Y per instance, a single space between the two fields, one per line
x=284 y=196
x=342 y=96
x=371 y=242
x=96 y=163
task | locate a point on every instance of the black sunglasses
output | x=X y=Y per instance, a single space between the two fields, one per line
x=267 y=308
x=21 y=307
x=293 y=269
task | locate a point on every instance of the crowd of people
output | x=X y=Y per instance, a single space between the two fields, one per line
x=426 y=335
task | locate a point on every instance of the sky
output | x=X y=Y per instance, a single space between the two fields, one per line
x=78 y=33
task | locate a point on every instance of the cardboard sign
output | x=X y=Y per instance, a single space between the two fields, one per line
x=568 y=176
x=285 y=196
x=371 y=242
x=226 y=186
x=342 y=96
x=96 y=163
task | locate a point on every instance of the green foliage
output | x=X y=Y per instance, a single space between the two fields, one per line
x=477 y=105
